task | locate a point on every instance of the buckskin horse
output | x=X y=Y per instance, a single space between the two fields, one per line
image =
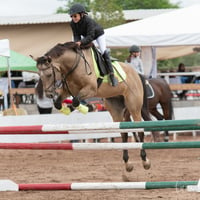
x=72 y=70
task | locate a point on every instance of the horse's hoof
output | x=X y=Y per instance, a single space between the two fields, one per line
x=58 y=105
x=147 y=164
x=129 y=167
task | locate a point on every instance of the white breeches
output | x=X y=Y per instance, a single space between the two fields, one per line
x=101 y=41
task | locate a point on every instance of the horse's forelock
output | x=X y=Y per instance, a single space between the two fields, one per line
x=44 y=59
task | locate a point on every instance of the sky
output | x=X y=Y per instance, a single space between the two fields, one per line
x=48 y=7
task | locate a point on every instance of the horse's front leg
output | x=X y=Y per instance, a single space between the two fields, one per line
x=128 y=166
x=86 y=92
x=57 y=102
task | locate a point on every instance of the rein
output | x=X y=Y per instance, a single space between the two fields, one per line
x=54 y=82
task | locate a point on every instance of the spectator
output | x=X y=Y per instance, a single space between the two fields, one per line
x=183 y=79
x=44 y=104
x=181 y=68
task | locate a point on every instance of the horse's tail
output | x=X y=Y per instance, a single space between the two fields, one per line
x=145 y=106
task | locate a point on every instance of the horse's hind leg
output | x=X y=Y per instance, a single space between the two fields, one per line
x=146 y=162
x=116 y=108
x=128 y=165
x=128 y=118
x=143 y=155
x=136 y=113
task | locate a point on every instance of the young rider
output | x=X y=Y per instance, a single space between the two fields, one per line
x=134 y=59
x=85 y=30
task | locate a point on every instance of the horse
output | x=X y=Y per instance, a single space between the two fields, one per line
x=67 y=70
x=163 y=96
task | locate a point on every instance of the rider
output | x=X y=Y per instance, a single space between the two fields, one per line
x=134 y=59
x=85 y=30
x=136 y=62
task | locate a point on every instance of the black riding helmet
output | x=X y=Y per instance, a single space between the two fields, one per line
x=134 y=48
x=77 y=8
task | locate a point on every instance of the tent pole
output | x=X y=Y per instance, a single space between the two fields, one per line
x=9 y=83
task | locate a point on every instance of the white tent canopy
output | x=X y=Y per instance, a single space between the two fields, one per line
x=173 y=34
x=173 y=28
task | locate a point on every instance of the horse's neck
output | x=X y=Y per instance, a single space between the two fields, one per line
x=81 y=65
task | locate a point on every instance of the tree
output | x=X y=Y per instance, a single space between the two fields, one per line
x=69 y=3
x=107 y=13
x=146 y=4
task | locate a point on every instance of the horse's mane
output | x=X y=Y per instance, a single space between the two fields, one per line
x=57 y=51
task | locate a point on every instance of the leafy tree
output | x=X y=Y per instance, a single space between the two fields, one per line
x=172 y=64
x=123 y=4
x=107 y=13
x=146 y=4
x=69 y=3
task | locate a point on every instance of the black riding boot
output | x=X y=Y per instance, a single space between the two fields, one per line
x=107 y=60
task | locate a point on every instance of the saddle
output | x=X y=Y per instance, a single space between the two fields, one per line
x=99 y=61
x=149 y=89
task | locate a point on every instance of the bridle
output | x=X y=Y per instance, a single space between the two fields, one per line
x=57 y=84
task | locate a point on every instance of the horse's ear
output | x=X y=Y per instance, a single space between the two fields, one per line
x=33 y=57
x=57 y=66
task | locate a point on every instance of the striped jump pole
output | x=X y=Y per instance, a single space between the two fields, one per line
x=34 y=129
x=193 y=124
x=100 y=146
x=41 y=129
x=173 y=125
x=8 y=185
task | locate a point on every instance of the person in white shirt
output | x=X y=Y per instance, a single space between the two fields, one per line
x=44 y=104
